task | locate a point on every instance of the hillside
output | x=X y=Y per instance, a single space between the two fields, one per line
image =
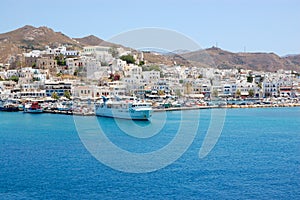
x=92 y=40
x=28 y=38
x=294 y=59
x=216 y=57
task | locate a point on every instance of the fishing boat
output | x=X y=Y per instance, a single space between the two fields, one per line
x=33 y=108
x=123 y=109
x=8 y=107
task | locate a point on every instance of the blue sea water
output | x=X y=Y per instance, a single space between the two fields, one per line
x=256 y=157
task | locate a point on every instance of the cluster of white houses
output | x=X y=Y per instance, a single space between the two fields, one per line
x=96 y=71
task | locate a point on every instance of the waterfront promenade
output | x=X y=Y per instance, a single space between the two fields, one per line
x=90 y=112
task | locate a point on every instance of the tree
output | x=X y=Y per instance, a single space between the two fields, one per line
x=67 y=94
x=128 y=58
x=60 y=60
x=54 y=95
x=141 y=63
x=259 y=85
x=249 y=79
x=14 y=78
x=161 y=92
x=238 y=93
x=251 y=93
x=76 y=72
x=35 y=79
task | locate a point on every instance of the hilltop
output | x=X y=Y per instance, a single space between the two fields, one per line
x=28 y=38
x=92 y=40
x=218 y=58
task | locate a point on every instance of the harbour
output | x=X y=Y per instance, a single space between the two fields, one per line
x=87 y=108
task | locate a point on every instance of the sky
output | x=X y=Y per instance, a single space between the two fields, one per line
x=233 y=25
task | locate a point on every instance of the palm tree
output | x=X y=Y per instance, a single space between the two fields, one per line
x=238 y=93
x=55 y=96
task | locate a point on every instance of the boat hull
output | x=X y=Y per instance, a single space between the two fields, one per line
x=9 y=109
x=38 y=111
x=142 y=114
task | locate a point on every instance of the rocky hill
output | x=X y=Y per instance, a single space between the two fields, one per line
x=216 y=57
x=28 y=38
x=92 y=40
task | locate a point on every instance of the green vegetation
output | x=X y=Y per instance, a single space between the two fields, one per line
x=60 y=60
x=151 y=68
x=67 y=94
x=35 y=79
x=259 y=85
x=160 y=92
x=251 y=93
x=141 y=63
x=249 y=79
x=238 y=93
x=54 y=95
x=76 y=72
x=128 y=58
x=14 y=78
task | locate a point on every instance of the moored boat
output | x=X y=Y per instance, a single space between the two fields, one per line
x=8 y=105
x=34 y=108
x=124 y=109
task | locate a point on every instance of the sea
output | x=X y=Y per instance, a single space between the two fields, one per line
x=196 y=154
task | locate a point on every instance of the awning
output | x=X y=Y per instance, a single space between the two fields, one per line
x=196 y=95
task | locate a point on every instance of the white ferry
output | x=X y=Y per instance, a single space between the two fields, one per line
x=124 y=109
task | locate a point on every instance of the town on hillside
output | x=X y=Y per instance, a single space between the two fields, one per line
x=60 y=74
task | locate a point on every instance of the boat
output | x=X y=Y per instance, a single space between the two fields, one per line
x=8 y=106
x=33 y=108
x=64 y=106
x=133 y=110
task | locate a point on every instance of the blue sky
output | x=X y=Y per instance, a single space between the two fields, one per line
x=256 y=25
